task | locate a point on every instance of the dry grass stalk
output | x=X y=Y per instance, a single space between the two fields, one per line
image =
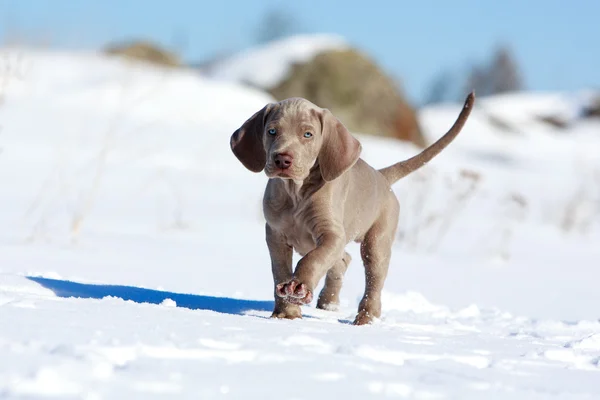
x=583 y=208
x=109 y=139
x=457 y=202
x=516 y=208
x=437 y=223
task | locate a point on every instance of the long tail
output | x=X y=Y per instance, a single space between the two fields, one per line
x=395 y=172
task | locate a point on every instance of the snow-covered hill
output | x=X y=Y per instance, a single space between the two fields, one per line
x=266 y=65
x=133 y=262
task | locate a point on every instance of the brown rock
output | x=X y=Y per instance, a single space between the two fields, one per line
x=357 y=91
x=144 y=51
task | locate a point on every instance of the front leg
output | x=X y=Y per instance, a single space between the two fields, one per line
x=281 y=267
x=313 y=266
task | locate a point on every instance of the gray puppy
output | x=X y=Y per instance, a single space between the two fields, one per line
x=320 y=196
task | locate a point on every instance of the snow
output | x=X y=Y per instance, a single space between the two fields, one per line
x=133 y=262
x=266 y=65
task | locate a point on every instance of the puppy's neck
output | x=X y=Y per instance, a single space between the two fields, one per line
x=299 y=190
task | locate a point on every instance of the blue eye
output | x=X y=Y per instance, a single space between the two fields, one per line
x=307 y=135
x=272 y=131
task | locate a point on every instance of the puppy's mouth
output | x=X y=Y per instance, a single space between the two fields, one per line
x=283 y=173
x=274 y=172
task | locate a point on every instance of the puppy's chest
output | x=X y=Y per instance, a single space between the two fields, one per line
x=293 y=222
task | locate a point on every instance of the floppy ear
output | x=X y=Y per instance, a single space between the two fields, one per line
x=339 y=150
x=247 y=141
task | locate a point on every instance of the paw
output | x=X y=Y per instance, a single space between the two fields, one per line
x=294 y=292
x=363 y=318
x=328 y=301
x=328 y=306
x=291 y=311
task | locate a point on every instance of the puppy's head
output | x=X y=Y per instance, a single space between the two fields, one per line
x=287 y=139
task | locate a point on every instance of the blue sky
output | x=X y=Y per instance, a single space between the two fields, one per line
x=555 y=42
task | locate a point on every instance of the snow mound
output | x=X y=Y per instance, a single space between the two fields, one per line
x=410 y=302
x=267 y=65
x=503 y=129
x=513 y=114
x=526 y=109
x=116 y=86
x=591 y=342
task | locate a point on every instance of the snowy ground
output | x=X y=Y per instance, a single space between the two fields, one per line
x=133 y=262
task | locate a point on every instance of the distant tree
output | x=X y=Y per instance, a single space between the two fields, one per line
x=504 y=72
x=276 y=24
x=500 y=75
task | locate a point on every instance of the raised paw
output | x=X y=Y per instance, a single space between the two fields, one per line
x=294 y=292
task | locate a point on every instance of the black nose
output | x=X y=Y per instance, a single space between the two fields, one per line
x=283 y=160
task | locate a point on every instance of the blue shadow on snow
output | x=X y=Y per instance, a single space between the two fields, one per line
x=226 y=305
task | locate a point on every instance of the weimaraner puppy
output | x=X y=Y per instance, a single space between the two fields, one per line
x=319 y=197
